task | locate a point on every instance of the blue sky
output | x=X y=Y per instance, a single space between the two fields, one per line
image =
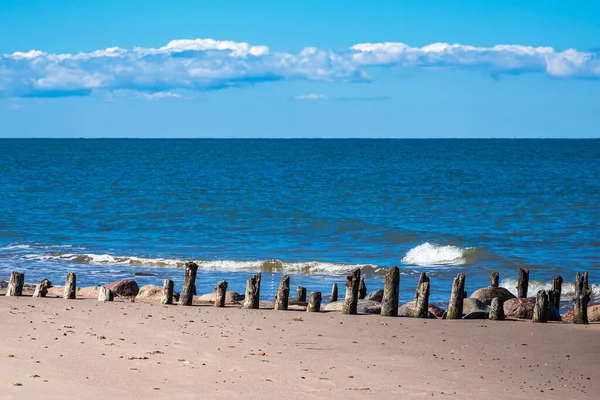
x=300 y=69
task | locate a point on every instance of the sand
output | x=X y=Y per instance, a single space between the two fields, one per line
x=83 y=349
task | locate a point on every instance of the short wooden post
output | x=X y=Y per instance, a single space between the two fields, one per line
x=41 y=289
x=557 y=288
x=456 y=298
x=362 y=288
x=495 y=279
x=581 y=299
x=252 y=300
x=70 y=291
x=314 y=302
x=497 y=310
x=334 y=293
x=391 y=291
x=220 y=291
x=105 y=294
x=540 y=310
x=422 y=278
x=301 y=294
x=283 y=294
x=350 y=305
x=522 y=283
x=422 y=303
x=189 y=284
x=15 y=284
x=167 y=292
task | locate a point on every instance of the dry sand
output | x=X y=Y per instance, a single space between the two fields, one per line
x=83 y=349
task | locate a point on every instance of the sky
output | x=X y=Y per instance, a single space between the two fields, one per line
x=286 y=69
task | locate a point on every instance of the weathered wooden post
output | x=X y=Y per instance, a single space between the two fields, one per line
x=167 y=292
x=15 y=284
x=252 y=300
x=391 y=292
x=495 y=279
x=220 y=292
x=301 y=294
x=497 y=309
x=422 y=278
x=540 y=310
x=105 y=294
x=422 y=303
x=350 y=305
x=189 y=284
x=557 y=288
x=70 y=291
x=522 y=283
x=456 y=298
x=283 y=294
x=41 y=289
x=581 y=299
x=362 y=288
x=334 y=293
x=314 y=302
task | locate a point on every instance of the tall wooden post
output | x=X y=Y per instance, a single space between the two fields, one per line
x=283 y=294
x=350 y=305
x=15 y=284
x=314 y=302
x=220 y=291
x=70 y=291
x=422 y=303
x=495 y=279
x=391 y=293
x=581 y=299
x=167 y=292
x=334 y=293
x=522 y=283
x=41 y=289
x=362 y=288
x=422 y=278
x=189 y=284
x=301 y=294
x=105 y=294
x=252 y=300
x=557 y=288
x=540 y=310
x=497 y=310
x=456 y=298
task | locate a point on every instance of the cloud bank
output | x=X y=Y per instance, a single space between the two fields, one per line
x=207 y=64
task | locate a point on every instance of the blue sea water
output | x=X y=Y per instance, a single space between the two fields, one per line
x=314 y=209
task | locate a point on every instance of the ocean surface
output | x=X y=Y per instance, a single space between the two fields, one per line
x=314 y=209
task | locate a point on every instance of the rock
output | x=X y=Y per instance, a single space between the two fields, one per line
x=593 y=314
x=364 y=306
x=476 y=315
x=553 y=313
x=408 y=310
x=488 y=293
x=88 y=291
x=230 y=298
x=375 y=296
x=474 y=305
x=124 y=288
x=3 y=284
x=152 y=294
x=435 y=310
x=519 y=308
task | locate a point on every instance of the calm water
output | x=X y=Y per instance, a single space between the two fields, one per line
x=312 y=208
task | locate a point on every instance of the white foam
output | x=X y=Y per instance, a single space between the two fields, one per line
x=568 y=288
x=428 y=254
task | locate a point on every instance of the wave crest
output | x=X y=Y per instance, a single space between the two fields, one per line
x=568 y=288
x=428 y=254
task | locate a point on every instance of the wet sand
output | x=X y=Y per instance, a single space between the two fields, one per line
x=83 y=349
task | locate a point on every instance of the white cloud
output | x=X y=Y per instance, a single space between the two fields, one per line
x=207 y=64
x=311 y=96
x=133 y=94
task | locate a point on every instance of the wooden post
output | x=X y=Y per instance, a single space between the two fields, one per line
x=189 y=284
x=495 y=279
x=362 y=288
x=351 y=301
x=456 y=298
x=15 y=284
x=497 y=310
x=540 y=310
x=105 y=294
x=301 y=294
x=314 y=302
x=581 y=299
x=220 y=291
x=70 y=291
x=522 y=283
x=557 y=288
x=391 y=291
x=422 y=278
x=283 y=294
x=167 y=292
x=41 y=289
x=334 y=293
x=422 y=303
x=252 y=300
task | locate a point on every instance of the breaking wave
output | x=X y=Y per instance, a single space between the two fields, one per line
x=428 y=254
x=568 y=288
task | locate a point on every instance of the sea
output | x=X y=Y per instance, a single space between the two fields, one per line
x=111 y=209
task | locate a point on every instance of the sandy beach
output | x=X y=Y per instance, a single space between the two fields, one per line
x=83 y=349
